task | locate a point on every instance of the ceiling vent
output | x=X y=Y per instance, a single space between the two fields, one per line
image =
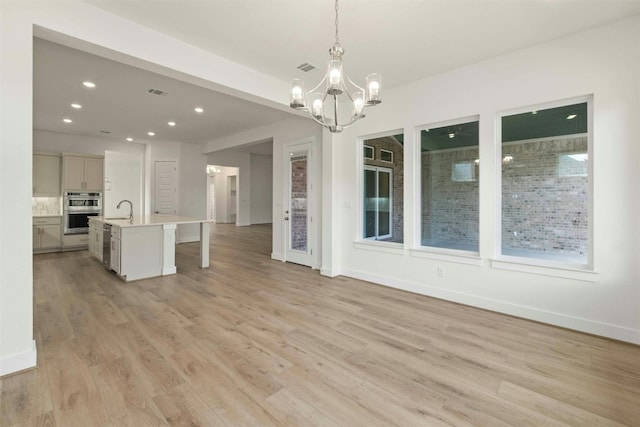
x=306 y=67
x=157 y=92
x=105 y=131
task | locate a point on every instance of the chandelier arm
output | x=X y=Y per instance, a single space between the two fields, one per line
x=324 y=79
x=352 y=83
x=353 y=120
x=318 y=121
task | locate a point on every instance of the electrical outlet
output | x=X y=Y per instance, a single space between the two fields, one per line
x=441 y=272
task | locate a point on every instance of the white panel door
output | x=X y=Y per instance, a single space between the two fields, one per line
x=166 y=188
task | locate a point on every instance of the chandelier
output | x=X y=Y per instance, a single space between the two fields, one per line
x=323 y=98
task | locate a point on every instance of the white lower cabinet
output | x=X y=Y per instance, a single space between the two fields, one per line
x=95 y=238
x=47 y=233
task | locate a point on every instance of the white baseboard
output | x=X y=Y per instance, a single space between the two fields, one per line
x=276 y=255
x=558 y=319
x=329 y=272
x=188 y=239
x=19 y=362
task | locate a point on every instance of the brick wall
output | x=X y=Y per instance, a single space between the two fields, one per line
x=542 y=208
x=450 y=209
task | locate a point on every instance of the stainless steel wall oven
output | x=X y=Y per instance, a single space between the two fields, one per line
x=77 y=208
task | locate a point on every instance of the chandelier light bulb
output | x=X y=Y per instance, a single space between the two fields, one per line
x=358 y=103
x=334 y=77
x=316 y=105
x=298 y=94
x=374 y=88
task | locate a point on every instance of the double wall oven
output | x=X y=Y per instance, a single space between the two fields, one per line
x=78 y=208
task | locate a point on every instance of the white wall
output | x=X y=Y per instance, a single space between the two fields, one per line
x=254 y=185
x=17 y=347
x=192 y=190
x=221 y=192
x=241 y=162
x=261 y=204
x=604 y=62
x=123 y=176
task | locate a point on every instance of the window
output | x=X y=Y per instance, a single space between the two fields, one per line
x=368 y=152
x=383 y=217
x=449 y=166
x=386 y=155
x=545 y=184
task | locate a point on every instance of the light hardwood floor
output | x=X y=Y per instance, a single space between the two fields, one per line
x=256 y=342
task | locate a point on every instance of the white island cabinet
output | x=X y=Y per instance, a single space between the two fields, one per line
x=145 y=246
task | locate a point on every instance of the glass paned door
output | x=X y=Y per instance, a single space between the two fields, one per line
x=298 y=205
x=298 y=214
x=377 y=203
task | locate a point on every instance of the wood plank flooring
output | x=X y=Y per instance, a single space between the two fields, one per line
x=257 y=342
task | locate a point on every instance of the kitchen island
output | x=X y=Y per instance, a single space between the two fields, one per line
x=143 y=246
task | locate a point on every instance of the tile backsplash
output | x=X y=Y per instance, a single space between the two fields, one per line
x=46 y=206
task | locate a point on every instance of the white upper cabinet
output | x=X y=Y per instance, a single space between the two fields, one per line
x=46 y=175
x=82 y=173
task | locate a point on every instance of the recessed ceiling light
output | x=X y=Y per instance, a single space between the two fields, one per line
x=129 y=139
x=76 y=106
x=199 y=110
x=571 y=116
x=171 y=123
x=151 y=133
x=89 y=84
x=67 y=120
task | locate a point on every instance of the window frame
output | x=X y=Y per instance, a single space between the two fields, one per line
x=359 y=241
x=434 y=252
x=373 y=152
x=382 y=150
x=539 y=265
x=377 y=170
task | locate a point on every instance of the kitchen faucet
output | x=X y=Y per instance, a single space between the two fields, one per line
x=130 y=208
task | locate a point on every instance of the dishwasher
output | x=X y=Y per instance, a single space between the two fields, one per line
x=106 y=245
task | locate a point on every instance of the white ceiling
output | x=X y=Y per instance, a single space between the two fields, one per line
x=404 y=40
x=121 y=105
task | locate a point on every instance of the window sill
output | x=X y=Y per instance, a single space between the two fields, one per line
x=545 y=268
x=378 y=246
x=449 y=255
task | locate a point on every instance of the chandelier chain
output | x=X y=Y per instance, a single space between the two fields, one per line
x=337 y=41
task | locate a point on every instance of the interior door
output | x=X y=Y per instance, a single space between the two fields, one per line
x=166 y=188
x=298 y=201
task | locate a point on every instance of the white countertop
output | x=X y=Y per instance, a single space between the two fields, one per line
x=142 y=221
